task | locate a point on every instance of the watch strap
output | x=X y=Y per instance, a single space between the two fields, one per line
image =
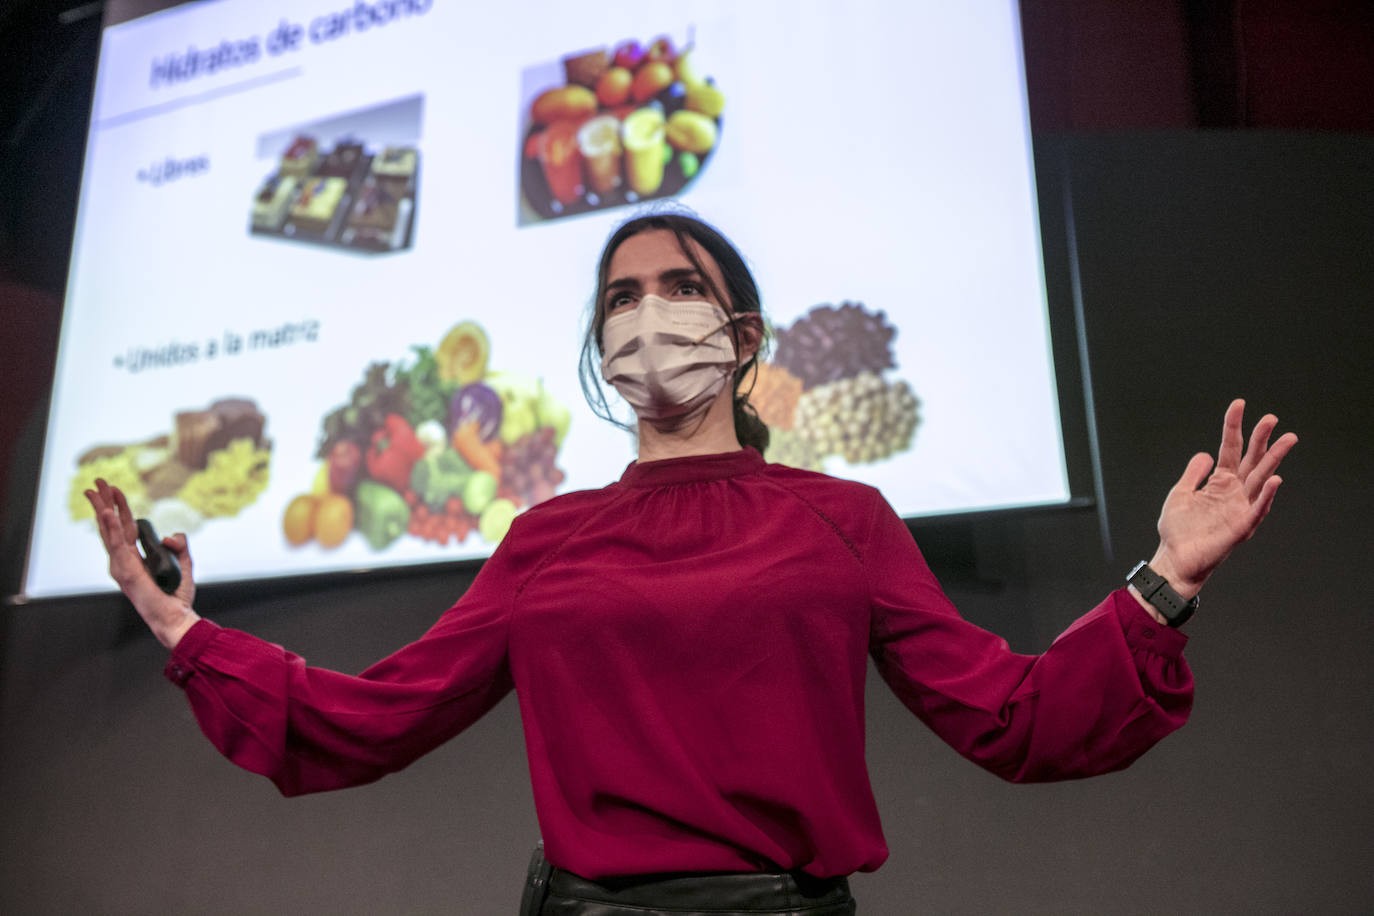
x=1156 y=589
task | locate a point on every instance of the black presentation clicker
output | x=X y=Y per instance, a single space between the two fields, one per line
x=161 y=565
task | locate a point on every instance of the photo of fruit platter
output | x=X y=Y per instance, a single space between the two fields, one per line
x=823 y=394
x=350 y=197
x=437 y=447
x=627 y=124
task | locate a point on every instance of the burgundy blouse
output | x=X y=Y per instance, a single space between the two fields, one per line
x=689 y=646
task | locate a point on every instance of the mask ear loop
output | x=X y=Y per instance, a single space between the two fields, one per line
x=724 y=324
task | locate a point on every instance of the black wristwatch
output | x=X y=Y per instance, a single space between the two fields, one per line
x=1156 y=589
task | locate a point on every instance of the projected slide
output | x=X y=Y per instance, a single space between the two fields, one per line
x=333 y=262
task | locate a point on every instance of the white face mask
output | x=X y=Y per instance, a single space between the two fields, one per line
x=668 y=359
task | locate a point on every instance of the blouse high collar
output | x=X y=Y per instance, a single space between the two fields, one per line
x=692 y=469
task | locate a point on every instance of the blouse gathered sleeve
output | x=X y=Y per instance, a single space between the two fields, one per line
x=1109 y=687
x=311 y=730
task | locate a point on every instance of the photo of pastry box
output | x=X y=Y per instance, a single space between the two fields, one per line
x=352 y=197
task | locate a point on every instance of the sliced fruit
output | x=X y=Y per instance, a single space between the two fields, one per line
x=462 y=354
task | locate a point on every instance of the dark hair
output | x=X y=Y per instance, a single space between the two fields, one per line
x=741 y=294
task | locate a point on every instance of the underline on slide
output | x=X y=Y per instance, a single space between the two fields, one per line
x=152 y=111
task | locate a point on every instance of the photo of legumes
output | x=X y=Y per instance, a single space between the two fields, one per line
x=823 y=394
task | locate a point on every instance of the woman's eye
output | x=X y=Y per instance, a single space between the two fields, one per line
x=619 y=300
x=689 y=288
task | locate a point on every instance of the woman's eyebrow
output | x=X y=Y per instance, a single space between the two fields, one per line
x=666 y=277
x=679 y=273
x=622 y=283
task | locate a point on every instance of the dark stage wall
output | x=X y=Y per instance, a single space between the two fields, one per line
x=1213 y=265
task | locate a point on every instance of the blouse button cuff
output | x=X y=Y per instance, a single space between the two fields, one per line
x=178 y=673
x=181 y=665
x=1143 y=631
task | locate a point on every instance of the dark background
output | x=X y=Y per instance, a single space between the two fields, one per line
x=1221 y=165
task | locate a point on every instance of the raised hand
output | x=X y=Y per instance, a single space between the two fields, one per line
x=1201 y=523
x=168 y=616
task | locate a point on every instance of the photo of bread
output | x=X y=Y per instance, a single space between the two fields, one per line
x=212 y=463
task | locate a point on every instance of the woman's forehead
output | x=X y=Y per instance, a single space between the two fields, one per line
x=645 y=255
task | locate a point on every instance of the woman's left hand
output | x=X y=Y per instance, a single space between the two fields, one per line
x=1201 y=522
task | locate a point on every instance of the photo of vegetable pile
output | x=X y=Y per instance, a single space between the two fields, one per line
x=437 y=447
x=213 y=463
x=823 y=393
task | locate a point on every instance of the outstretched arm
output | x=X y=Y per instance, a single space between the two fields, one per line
x=1111 y=685
x=309 y=729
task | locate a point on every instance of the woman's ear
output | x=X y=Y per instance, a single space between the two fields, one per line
x=750 y=328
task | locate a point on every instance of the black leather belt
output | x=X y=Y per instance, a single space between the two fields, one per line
x=782 y=894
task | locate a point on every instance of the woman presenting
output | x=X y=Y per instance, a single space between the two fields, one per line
x=689 y=643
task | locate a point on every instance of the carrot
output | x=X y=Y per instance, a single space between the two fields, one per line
x=468 y=443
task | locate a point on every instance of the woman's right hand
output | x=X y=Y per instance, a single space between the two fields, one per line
x=168 y=616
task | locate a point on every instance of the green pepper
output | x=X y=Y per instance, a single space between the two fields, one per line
x=382 y=513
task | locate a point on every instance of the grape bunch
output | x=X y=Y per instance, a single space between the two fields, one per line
x=528 y=475
x=862 y=419
x=830 y=343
